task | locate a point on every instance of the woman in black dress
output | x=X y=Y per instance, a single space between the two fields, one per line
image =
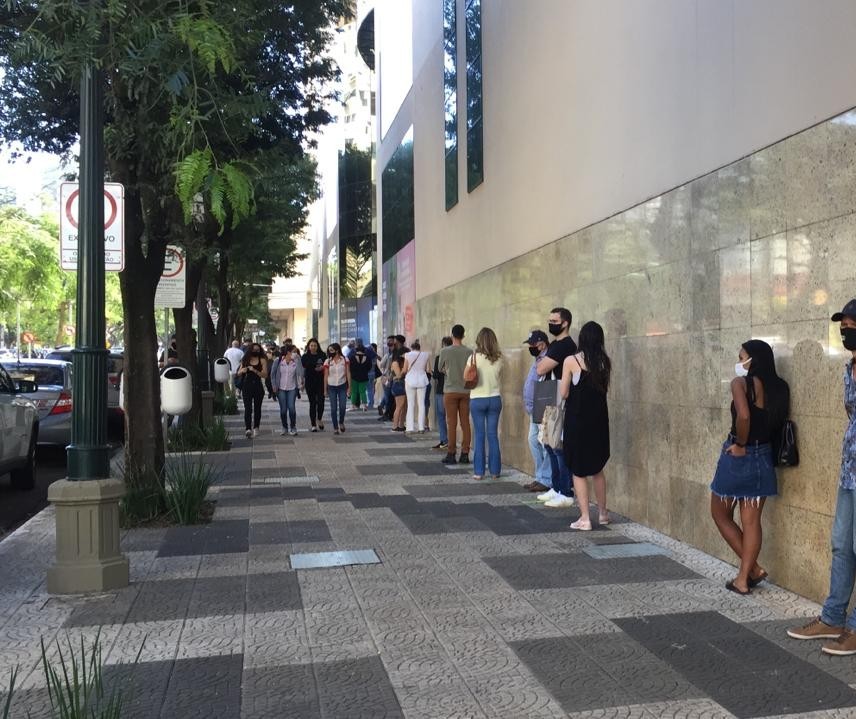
x=253 y=371
x=585 y=381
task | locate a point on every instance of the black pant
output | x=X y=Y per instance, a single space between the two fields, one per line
x=315 y=395
x=253 y=398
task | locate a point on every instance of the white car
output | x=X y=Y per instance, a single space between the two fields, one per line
x=19 y=431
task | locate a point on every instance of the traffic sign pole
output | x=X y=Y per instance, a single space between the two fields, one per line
x=88 y=558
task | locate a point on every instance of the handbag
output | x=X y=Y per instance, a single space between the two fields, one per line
x=546 y=395
x=788 y=455
x=550 y=431
x=471 y=373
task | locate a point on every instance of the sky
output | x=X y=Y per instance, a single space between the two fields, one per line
x=31 y=180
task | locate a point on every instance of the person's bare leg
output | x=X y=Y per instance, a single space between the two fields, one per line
x=599 y=484
x=722 y=511
x=581 y=494
x=750 y=518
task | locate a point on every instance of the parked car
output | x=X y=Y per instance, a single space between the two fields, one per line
x=115 y=366
x=19 y=431
x=53 y=399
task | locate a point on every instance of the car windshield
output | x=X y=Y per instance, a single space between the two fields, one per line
x=41 y=375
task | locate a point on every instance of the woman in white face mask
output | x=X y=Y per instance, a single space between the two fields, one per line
x=745 y=476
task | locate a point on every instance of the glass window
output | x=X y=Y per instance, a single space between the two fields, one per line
x=397 y=199
x=450 y=85
x=475 y=135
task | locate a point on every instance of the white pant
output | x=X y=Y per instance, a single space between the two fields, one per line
x=415 y=403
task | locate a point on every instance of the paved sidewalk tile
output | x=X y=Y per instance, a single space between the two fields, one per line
x=357 y=576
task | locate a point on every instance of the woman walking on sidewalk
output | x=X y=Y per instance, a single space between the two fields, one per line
x=313 y=379
x=486 y=404
x=415 y=382
x=253 y=371
x=585 y=435
x=286 y=375
x=337 y=385
x=744 y=473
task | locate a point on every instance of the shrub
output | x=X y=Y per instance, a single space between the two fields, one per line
x=7 y=704
x=192 y=437
x=188 y=479
x=225 y=402
x=143 y=500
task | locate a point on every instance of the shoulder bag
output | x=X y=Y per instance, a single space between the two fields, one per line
x=546 y=395
x=788 y=455
x=471 y=373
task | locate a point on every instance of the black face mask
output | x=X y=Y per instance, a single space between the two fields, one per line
x=848 y=338
x=331 y=354
x=555 y=328
x=534 y=351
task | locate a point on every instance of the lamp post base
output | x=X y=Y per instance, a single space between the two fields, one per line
x=87 y=537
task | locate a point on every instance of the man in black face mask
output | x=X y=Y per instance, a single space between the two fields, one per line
x=387 y=403
x=559 y=325
x=538 y=343
x=833 y=622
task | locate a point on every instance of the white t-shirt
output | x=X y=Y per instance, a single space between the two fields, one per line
x=234 y=355
x=417 y=375
x=336 y=375
x=489 y=377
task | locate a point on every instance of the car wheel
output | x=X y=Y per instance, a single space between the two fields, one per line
x=25 y=477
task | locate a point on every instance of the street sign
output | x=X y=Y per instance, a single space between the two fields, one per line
x=27 y=337
x=172 y=285
x=114 y=225
x=69 y=329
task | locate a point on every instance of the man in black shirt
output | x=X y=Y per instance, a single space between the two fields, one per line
x=559 y=325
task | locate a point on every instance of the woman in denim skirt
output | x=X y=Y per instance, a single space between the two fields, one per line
x=745 y=476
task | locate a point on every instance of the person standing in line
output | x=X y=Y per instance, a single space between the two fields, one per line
x=371 y=351
x=286 y=375
x=398 y=390
x=833 y=622
x=486 y=404
x=387 y=405
x=313 y=380
x=585 y=435
x=456 y=397
x=559 y=321
x=360 y=365
x=337 y=385
x=234 y=355
x=538 y=343
x=415 y=382
x=439 y=379
x=254 y=370
x=745 y=475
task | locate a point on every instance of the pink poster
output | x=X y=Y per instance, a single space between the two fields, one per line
x=399 y=292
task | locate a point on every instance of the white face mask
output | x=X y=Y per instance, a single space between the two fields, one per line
x=740 y=369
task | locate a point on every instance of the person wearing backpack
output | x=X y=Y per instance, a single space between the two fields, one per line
x=361 y=364
x=834 y=623
x=745 y=475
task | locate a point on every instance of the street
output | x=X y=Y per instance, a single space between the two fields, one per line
x=17 y=507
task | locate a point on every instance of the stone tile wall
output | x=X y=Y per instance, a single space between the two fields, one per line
x=765 y=247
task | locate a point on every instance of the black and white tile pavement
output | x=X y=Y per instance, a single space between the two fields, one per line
x=484 y=604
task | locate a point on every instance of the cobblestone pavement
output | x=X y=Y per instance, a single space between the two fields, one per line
x=467 y=599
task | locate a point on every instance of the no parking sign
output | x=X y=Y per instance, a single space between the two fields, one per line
x=114 y=225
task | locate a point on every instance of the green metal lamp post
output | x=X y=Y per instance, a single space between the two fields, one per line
x=87 y=502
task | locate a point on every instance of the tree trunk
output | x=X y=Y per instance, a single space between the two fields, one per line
x=185 y=339
x=61 y=315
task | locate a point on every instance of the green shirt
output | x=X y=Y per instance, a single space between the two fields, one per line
x=452 y=361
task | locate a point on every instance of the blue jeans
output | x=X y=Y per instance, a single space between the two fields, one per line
x=560 y=475
x=485 y=412
x=543 y=468
x=338 y=401
x=287 y=410
x=440 y=418
x=843 y=571
x=370 y=388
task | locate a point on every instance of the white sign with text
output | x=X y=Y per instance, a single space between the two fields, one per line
x=114 y=225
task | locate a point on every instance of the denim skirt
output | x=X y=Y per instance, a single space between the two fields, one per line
x=749 y=477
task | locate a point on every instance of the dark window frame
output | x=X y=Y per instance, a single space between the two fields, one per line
x=475 y=85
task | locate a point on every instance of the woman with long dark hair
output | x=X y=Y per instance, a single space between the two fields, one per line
x=337 y=385
x=313 y=378
x=398 y=389
x=585 y=437
x=254 y=371
x=744 y=474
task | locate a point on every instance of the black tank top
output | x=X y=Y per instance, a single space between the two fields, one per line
x=759 y=419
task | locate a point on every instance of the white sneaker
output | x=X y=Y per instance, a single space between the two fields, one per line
x=249 y=433
x=293 y=433
x=560 y=501
x=547 y=496
x=256 y=432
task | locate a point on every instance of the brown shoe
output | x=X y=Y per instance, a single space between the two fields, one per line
x=537 y=487
x=844 y=646
x=816 y=629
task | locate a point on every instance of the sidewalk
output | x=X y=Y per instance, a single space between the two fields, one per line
x=479 y=603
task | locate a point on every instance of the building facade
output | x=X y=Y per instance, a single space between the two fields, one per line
x=680 y=171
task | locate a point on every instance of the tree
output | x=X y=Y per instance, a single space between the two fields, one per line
x=185 y=79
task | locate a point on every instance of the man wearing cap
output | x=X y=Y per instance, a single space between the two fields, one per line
x=833 y=623
x=538 y=343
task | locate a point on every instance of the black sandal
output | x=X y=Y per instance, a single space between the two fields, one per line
x=755 y=582
x=732 y=588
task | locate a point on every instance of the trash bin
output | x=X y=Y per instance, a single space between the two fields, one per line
x=221 y=370
x=176 y=390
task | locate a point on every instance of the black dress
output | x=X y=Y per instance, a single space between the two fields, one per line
x=586 y=430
